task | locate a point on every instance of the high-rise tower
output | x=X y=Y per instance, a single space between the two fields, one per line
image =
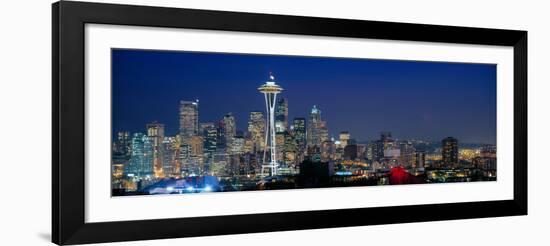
x=281 y=115
x=449 y=151
x=189 y=119
x=155 y=131
x=299 y=131
x=270 y=91
x=256 y=127
x=317 y=130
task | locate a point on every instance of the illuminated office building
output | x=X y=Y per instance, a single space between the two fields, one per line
x=122 y=143
x=155 y=132
x=229 y=128
x=221 y=141
x=256 y=129
x=281 y=115
x=406 y=154
x=141 y=159
x=280 y=138
x=317 y=131
x=210 y=135
x=237 y=145
x=189 y=118
x=121 y=150
x=299 y=131
x=169 y=163
x=291 y=150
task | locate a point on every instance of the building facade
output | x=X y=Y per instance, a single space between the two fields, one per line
x=281 y=115
x=256 y=129
x=449 y=152
x=141 y=159
x=189 y=118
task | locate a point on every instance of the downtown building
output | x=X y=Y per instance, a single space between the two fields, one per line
x=141 y=157
x=299 y=132
x=121 y=154
x=191 y=149
x=228 y=126
x=155 y=132
x=189 y=118
x=256 y=130
x=210 y=143
x=171 y=165
x=381 y=146
x=317 y=131
x=449 y=152
x=281 y=115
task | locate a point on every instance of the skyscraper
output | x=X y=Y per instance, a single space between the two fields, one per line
x=237 y=145
x=169 y=147
x=195 y=160
x=406 y=154
x=141 y=159
x=210 y=135
x=229 y=128
x=317 y=130
x=256 y=128
x=270 y=91
x=189 y=118
x=280 y=138
x=155 y=132
x=221 y=140
x=120 y=158
x=382 y=145
x=291 y=151
x=299 y=131
x=281 y=115
x=122 y=143
x=121 y=149
x=449 y=152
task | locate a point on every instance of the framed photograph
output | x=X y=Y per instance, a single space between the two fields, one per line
x=175 y=122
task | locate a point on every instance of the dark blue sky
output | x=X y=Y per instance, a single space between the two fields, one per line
x=423 y=100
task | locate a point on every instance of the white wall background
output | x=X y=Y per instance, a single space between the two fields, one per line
x=25 y=88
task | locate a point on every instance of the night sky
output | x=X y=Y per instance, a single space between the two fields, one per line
x=420 y=100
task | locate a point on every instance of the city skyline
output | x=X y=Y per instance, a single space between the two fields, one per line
x=135 y=102
x=219 y=149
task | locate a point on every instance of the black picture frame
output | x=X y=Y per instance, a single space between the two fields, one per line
x=68 y=122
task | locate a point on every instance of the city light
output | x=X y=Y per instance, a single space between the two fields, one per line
x=273 y=152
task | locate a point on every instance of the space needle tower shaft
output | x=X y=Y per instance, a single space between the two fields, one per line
x=270 y=91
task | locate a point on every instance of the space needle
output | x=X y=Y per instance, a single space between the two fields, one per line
x=270 y=91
